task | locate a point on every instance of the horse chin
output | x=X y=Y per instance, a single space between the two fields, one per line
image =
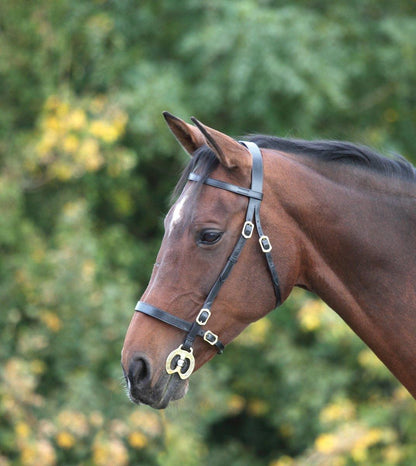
x=167 y=389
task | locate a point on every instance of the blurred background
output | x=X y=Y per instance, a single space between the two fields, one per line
x=86 y=169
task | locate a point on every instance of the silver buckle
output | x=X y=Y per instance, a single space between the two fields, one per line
x=265 y=243
x=248 y=229
x=199 y=319
x=209 y=334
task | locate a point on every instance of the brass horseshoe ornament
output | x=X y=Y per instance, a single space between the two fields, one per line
x=180 y=364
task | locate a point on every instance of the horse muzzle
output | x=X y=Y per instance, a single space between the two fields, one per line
x=141 y=389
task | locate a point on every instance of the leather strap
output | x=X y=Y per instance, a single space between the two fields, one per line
x=170 y=319
x=227 y=186
x=257 y=184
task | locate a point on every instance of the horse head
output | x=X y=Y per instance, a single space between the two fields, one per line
x=186 y=315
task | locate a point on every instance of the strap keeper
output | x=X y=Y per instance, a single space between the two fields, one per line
x=248 y=229
x=265 y=244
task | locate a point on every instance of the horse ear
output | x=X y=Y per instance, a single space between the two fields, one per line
x=230 y=153
x=188 y=136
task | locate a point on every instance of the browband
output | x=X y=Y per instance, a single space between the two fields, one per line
x=227 y=186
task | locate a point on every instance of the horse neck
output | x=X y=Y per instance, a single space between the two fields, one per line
x=357 y=252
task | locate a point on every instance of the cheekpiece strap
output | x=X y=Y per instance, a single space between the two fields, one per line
x=255 y=195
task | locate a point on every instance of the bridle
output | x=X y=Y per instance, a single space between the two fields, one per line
x=181 y=360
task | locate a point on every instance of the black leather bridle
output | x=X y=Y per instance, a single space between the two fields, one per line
x=181 y=360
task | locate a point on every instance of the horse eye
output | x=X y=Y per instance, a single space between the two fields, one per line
x=209 y=236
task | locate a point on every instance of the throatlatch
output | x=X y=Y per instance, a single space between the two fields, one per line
x=181 y=360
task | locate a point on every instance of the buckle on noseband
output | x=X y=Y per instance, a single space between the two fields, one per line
x=210 y=337
x=180 y=363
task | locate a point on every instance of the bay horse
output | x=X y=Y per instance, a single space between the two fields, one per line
x=336 y=218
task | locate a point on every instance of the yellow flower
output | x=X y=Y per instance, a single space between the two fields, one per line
x=22 y=430
x=368 y=359
x=73 y=421
x=39 y=453
x=147 y=421
x=70 y=143
x=89 y=155
x=360 y=449
x=98 y=128
x=76 y=119
x=310 y=315
x=326 y=443
x=393 y=454
x=402 y=394
x=236 y=404
x=120 y=121
x=73 y=211
x=38 y=366
x=62 y=109
x=283 y=461
x=52 y=123
x=104 y=131
x=62 y=170
x=28 y=455
x=65 y=440
x=341 y=410
x=137 y=440
x=46 y=144
x=96 y=419
x=257 y=407
x=51 y=320
x=109 y=453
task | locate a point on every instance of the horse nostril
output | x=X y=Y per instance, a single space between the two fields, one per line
x=139 y=370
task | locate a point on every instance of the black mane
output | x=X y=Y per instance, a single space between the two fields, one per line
x=204 y=160
x=341 y=152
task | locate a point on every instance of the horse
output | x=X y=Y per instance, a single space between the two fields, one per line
x=252 y=220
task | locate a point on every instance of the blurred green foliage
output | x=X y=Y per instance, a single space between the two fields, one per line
x=86 y=169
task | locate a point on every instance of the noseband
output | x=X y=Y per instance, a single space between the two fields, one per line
x=181 y=360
